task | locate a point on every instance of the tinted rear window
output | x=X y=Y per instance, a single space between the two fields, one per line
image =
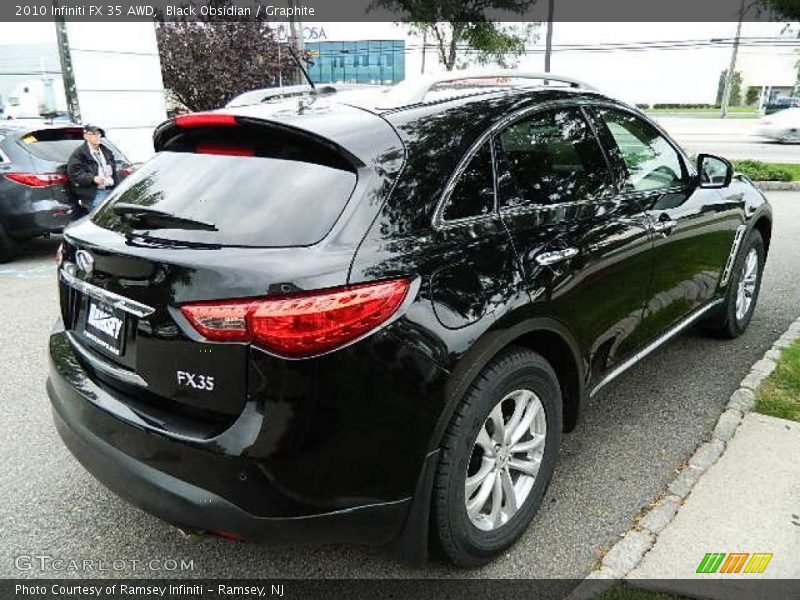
x=52 y=144
x=56 y=145
x=251 y=201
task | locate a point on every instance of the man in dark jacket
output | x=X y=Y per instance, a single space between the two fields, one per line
x=92 y=170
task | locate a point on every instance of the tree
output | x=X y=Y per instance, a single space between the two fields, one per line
x=788 y=10
x=206 y=63
x=735 y=98
x=454 y=24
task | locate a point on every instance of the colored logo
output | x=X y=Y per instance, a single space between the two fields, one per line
x=734 y=562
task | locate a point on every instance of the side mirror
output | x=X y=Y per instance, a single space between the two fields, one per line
x=715 y=171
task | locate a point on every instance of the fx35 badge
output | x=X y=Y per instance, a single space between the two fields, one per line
x=193 y=380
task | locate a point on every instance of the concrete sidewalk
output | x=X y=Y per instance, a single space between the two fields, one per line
x=747 y=502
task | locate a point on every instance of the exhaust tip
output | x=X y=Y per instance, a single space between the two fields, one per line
x=189 y=534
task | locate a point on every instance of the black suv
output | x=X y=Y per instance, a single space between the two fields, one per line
x=371 y=320
x=35 y=198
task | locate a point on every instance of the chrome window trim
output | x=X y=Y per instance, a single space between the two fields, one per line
x=655 y=194
x=526 y=209
x=655 y=344
x=67 y=273
x=438 y=222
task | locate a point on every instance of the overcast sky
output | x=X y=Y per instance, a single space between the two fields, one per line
x=687 y=75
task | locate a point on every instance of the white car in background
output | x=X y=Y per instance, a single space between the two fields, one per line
x=783 y=126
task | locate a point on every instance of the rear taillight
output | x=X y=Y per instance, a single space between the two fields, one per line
x=60 y=254
x=38 y=179
x=128 y=170
x=300 y=325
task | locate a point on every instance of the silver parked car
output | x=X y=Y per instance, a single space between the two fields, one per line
x=782 y=126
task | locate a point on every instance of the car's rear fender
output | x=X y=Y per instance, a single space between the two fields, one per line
x=550 y=338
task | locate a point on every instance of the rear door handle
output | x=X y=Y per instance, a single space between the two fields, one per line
x=550 y=258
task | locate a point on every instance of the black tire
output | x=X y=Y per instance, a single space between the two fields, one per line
x=515 y=369
x=8 y=247
x=725 y=323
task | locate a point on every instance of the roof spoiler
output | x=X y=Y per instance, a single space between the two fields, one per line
x=183 y=132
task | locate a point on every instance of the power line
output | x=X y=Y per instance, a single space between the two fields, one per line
x=754 y=41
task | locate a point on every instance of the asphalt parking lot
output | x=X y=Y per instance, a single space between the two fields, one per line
x=621 y=456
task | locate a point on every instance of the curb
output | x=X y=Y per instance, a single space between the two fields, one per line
x=775 y=186
x=628 y=553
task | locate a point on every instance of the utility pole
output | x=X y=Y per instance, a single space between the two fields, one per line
x=65 y=54
x=424 y=48
x=296 y=31
x=726 y=94
x=549 y=41
x=280 y=65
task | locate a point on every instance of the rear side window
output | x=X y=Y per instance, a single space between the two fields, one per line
x=473 y=195
x=550 y=158
x=242 y=201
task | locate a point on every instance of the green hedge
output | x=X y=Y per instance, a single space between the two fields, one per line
x=683 y=106
x=759 y=171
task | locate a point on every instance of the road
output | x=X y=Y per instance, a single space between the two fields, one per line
x=735 y=139
x=622 y=455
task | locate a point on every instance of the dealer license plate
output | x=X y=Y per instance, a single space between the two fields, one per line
x=105 y=326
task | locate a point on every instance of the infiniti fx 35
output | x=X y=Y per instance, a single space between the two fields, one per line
x=370 y=321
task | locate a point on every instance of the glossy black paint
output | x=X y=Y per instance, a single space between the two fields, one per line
x=356 y=429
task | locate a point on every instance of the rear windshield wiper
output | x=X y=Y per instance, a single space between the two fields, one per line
x=152 y=218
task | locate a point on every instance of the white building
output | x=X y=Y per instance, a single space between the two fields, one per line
x=115 y=68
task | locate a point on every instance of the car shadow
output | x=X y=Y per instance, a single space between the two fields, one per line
x=37 y=248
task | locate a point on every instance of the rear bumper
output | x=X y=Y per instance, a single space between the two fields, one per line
x=774 y=133
x=125 y=458
x=45 y=216
x=188 y=505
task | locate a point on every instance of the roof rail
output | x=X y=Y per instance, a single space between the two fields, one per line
x=277 y=93
x=413 y=91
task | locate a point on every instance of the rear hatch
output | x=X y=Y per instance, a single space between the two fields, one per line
x=225 y=211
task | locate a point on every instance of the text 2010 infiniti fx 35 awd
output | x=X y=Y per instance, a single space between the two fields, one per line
x=370 y=320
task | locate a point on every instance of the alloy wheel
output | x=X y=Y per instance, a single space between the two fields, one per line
x=747 y=284
x=505 y=460
x=792 y=137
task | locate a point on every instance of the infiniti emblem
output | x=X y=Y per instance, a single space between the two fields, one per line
x=85 y=261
